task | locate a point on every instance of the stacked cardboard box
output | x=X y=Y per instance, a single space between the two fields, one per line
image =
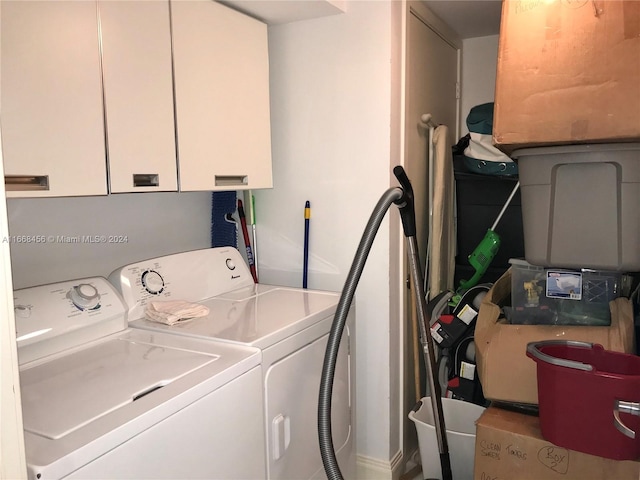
x=568 y=72
x=509 y=445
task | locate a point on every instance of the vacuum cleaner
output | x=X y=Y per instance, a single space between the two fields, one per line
x=403 y=198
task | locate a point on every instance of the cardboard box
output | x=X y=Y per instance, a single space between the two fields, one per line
x=505 y=371
x=509 y=445
x=568 y=72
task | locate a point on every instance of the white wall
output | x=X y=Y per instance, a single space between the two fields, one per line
x=479 y=62
x=146 y=224
x=330 y=104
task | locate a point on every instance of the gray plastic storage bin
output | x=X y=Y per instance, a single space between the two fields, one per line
x=580 y=205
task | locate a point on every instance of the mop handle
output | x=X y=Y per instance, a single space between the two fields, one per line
x=504 y=208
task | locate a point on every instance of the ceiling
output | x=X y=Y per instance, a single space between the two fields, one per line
x=276 y=12
x=469 y=18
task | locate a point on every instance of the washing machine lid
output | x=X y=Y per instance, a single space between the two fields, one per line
x=258 y=317
x=81 y=404
x=84 y=386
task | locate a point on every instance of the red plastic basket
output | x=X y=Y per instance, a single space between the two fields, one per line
x=588 y=397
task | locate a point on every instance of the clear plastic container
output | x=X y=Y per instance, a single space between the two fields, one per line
x=557 y=296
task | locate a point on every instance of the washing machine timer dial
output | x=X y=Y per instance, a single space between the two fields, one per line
x=153 y=282
x=84 y=296
x=230 y=264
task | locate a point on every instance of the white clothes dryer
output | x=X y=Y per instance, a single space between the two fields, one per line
x=291 y=327
x=101 y=400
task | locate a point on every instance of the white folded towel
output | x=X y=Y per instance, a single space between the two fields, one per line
x=174 y=311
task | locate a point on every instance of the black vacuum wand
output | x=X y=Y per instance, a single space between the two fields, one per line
x=403 y=198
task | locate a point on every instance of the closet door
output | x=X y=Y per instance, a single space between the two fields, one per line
x=431 y=79
x=138 y=91
x=221 y=66
x=52 y=115
x=432 y=76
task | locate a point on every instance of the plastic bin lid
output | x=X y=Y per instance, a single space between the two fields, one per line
x=521 y=262
x=579 y=148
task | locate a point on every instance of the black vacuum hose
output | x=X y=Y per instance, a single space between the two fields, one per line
x=327 y=451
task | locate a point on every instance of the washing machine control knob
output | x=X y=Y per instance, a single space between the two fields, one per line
x=84 y=296
x=153 y=282
x=230 y=264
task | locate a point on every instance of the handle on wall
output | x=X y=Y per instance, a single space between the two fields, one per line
x=231 y=180
x=18 y=183
x=281 y=435
x=146 y=180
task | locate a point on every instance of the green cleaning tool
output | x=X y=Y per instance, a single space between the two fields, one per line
x=481 y=258
x=485 y=252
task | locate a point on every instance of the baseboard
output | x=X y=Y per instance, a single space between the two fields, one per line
x=412 y=467
x=375 y=469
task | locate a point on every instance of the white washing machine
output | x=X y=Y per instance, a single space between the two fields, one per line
x=289 y=325
x=101 y=400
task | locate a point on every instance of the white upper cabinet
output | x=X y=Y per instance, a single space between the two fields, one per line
x=51 y=105
x=138 y=95
x=88 y=91
x=221 y=75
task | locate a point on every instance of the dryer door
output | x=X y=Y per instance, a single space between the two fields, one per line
x=292 y=385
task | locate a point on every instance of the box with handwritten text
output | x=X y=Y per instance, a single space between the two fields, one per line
x=509 y=445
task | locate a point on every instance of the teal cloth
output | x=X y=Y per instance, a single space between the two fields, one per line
x=480 y=119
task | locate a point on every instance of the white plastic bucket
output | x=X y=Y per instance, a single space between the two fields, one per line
x=460 y=421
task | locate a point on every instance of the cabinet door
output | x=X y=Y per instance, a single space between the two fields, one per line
x=138 y=91
x=52 y=115
x=221 y=72
x=291 y=396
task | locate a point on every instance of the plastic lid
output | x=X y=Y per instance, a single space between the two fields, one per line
x=521 y=262
x=580 y=148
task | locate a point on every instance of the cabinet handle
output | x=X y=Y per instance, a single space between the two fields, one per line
x=231 y=180
x=281 y=435
x=18 y=183
x=146 y=180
